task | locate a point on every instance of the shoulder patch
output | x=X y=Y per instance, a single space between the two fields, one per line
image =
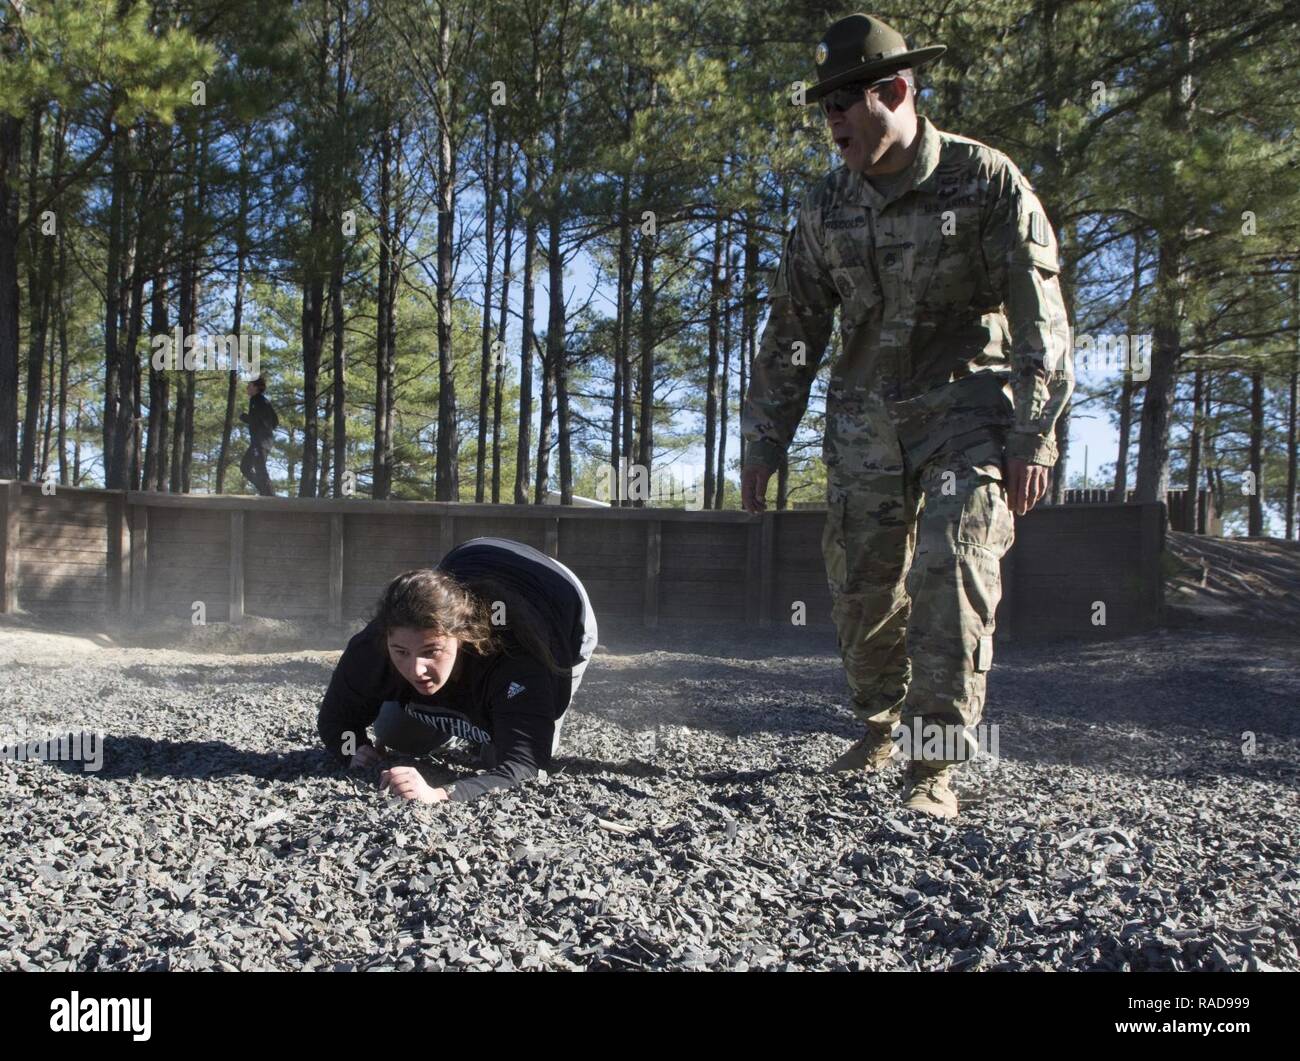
x=1038 y=228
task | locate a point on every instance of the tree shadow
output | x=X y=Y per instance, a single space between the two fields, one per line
x=1120 y=705
x=129 y=757
x=133 y=756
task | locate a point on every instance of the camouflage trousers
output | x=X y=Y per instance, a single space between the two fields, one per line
x=913 y=558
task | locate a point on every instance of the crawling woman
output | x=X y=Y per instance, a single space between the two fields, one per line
x=490 y=647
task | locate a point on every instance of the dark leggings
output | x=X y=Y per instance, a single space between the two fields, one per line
x=253 y=465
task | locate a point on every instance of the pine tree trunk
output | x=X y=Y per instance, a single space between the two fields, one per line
x=1291 y=425
x=1158 y=401
x=195 y=256
x=1119 y=491
x=340 y=408
x=1213 y=473
x=313 y=297
x=76 y=447
x=555 y=333
x=128 y=429
x=47 y=432
x=749 y=318
x=522 y=450
x=1255 y=519
x=645 y=452
x=711 y=378
x=1190 y=506
x=1129 y=386
x=565 y=428
x=485 y=365
x=544 y=432
x=313 y=300
x=448 y=447
x=232 y=382
x=183 y=297
x=112 y=303
x=155 y=454
x=10 y=159
x=290 y=451
x=626 y=277
x=498 y=385
x=39 y=251
x=1291 y=451
x=63 y=365
x=322 y=486
x=337 y=402
x=724 y=396
x=379 y=466
x=396 y=264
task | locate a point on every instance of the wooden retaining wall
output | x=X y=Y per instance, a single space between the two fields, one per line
x=145 y=555
x=1208 y=521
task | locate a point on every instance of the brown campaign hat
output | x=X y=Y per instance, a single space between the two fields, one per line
x=863 y=48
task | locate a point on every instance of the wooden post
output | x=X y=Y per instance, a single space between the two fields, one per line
x=139 y=559
x=754 y=573
x=237 y=566
x=119 y=556
x=1153 y=529
x=10 y=540
x=767 y=546
x=447 y=531
x=336 y=568
x=653 y=540
x=552 y=528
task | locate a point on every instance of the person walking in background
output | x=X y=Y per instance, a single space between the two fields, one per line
x=262 y=422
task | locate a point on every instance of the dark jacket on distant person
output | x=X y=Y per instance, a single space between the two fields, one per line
x=261 y=419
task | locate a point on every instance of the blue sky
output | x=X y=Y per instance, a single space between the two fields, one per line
x=1092 y=438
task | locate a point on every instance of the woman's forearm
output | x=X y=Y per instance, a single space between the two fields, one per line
x=524 y=744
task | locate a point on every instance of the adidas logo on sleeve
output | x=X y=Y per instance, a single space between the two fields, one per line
x=514 y=690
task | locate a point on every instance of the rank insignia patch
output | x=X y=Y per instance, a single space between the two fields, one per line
x=1038 y=228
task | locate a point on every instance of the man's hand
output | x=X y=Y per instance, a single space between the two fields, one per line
x=1026 y=484
x=407 y=782
x=753 y=487
x=367 y=756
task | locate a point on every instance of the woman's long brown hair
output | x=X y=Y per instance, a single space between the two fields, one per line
x=429 y=599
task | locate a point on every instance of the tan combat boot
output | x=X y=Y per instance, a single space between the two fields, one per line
x=930 y=791
x=870 y=753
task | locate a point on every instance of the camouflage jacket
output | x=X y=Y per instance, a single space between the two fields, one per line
x=951 y=314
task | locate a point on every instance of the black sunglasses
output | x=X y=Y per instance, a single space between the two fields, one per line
x=844 y=98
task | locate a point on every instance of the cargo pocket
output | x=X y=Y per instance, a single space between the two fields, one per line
x=833 y=550
x=986 y=518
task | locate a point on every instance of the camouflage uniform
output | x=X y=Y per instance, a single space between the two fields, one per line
x=955 y=351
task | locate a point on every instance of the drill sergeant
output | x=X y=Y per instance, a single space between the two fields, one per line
x=941 y=408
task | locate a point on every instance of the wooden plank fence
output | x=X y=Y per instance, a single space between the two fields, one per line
x=1207 y=519
x=143 y=555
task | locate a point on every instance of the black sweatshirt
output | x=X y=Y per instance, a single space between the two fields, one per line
x=261 y=419
x=507 y=700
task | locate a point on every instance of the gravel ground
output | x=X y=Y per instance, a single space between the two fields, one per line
x=1126 y=823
